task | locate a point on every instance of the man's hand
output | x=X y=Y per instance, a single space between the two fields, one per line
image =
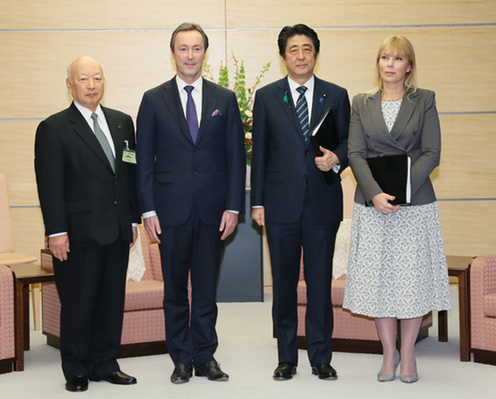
x=228 y=223
x=258 y=215
x=59 y=246
x=327 y=161
x=152 y=226
x=135 y=237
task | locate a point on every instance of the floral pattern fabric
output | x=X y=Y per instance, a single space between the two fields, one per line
x=397 y=266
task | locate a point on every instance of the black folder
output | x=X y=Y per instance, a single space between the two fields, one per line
x=392 y=173
x=326 y=135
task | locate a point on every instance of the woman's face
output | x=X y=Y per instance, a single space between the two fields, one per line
x=393 y=67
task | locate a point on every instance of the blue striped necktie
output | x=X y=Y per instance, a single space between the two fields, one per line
x=302 y=111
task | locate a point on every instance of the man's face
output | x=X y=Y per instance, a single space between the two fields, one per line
x=189 y=55
x=87 y=83
x=300 y=58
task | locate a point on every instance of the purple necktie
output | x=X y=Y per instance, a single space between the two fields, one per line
x=191 y=117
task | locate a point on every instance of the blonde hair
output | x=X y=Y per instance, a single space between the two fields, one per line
x=400 y=45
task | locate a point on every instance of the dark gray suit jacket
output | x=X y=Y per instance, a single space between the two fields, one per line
x=416 y=132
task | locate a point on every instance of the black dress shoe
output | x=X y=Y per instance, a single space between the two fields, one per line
x=284 y=371
x=212 y=371
x=120 y=378
x=325 y=372
x=182 y=373
x=77 y=383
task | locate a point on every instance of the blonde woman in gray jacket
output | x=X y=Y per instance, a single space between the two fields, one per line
x=397 y=267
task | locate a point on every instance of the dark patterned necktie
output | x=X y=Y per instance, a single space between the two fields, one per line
x=191 y=117
x=302 y=111
x=102 y=139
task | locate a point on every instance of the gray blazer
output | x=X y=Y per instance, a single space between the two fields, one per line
x=415 y=132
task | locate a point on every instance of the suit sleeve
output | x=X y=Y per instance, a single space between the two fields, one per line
x=343 y=121
x=357 y=152
x=260 y=151
x=49 y=168
x=430 y=145
x=236 y=158
x=130 y=137
x=145 y=155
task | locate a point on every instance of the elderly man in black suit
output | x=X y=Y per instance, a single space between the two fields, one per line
x=84 y=164
x=292 y=197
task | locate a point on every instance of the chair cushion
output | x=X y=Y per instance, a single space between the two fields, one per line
x=489 y=305
x=145 y=294
x=337 y=291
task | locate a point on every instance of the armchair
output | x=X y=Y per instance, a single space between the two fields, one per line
x=7 y=341
x=143 y=331
x=483 y=309
x=7 y=254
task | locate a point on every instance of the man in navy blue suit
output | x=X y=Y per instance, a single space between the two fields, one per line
x=191 y=188
x=291 y=197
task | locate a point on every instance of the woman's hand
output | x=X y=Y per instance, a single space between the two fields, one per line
x=382 y=204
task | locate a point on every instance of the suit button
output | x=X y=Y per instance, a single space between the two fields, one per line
x=195 y=173
x=307 y=152
x=303 y=175
x=195 y=150
x=115 y=202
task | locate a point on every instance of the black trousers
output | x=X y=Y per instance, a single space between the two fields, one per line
x=91 y=286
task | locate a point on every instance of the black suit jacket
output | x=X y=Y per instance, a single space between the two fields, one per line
x=283 y=163
x=78 y=191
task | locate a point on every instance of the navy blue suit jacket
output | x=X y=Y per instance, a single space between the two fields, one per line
x=283 y=162
x=172 y=171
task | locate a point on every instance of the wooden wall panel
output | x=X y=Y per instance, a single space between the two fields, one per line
x=347 y=57
x=468 y=148
x=17 y=161
x=109 y=14
x=345 y=13
x=452 y=39
x=34 y=67
x=28 y=230
x=469 y=227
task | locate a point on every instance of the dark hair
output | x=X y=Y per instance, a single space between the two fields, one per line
x=299 y=29
x=185 y=26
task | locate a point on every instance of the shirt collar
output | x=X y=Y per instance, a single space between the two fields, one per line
x=87 y=112
x=198 y=84
x=309 y=84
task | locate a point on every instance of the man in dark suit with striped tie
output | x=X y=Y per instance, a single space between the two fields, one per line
x=291 y=197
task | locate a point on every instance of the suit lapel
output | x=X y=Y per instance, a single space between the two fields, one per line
x=209 y=104
x=84 y=131
x=170 y=95
x=285 y=99
x=407 y=107
x=406 y=110
x=117 y=136
x=319 y=105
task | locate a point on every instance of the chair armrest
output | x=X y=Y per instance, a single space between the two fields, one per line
x=46 y=259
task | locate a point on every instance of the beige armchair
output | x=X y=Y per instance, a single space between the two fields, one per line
x=7 y=341
x=483 y=309
x=7 y=254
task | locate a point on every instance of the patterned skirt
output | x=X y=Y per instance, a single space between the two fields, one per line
x=397 y=265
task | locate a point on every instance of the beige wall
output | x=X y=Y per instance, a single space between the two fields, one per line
x=454 y=40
